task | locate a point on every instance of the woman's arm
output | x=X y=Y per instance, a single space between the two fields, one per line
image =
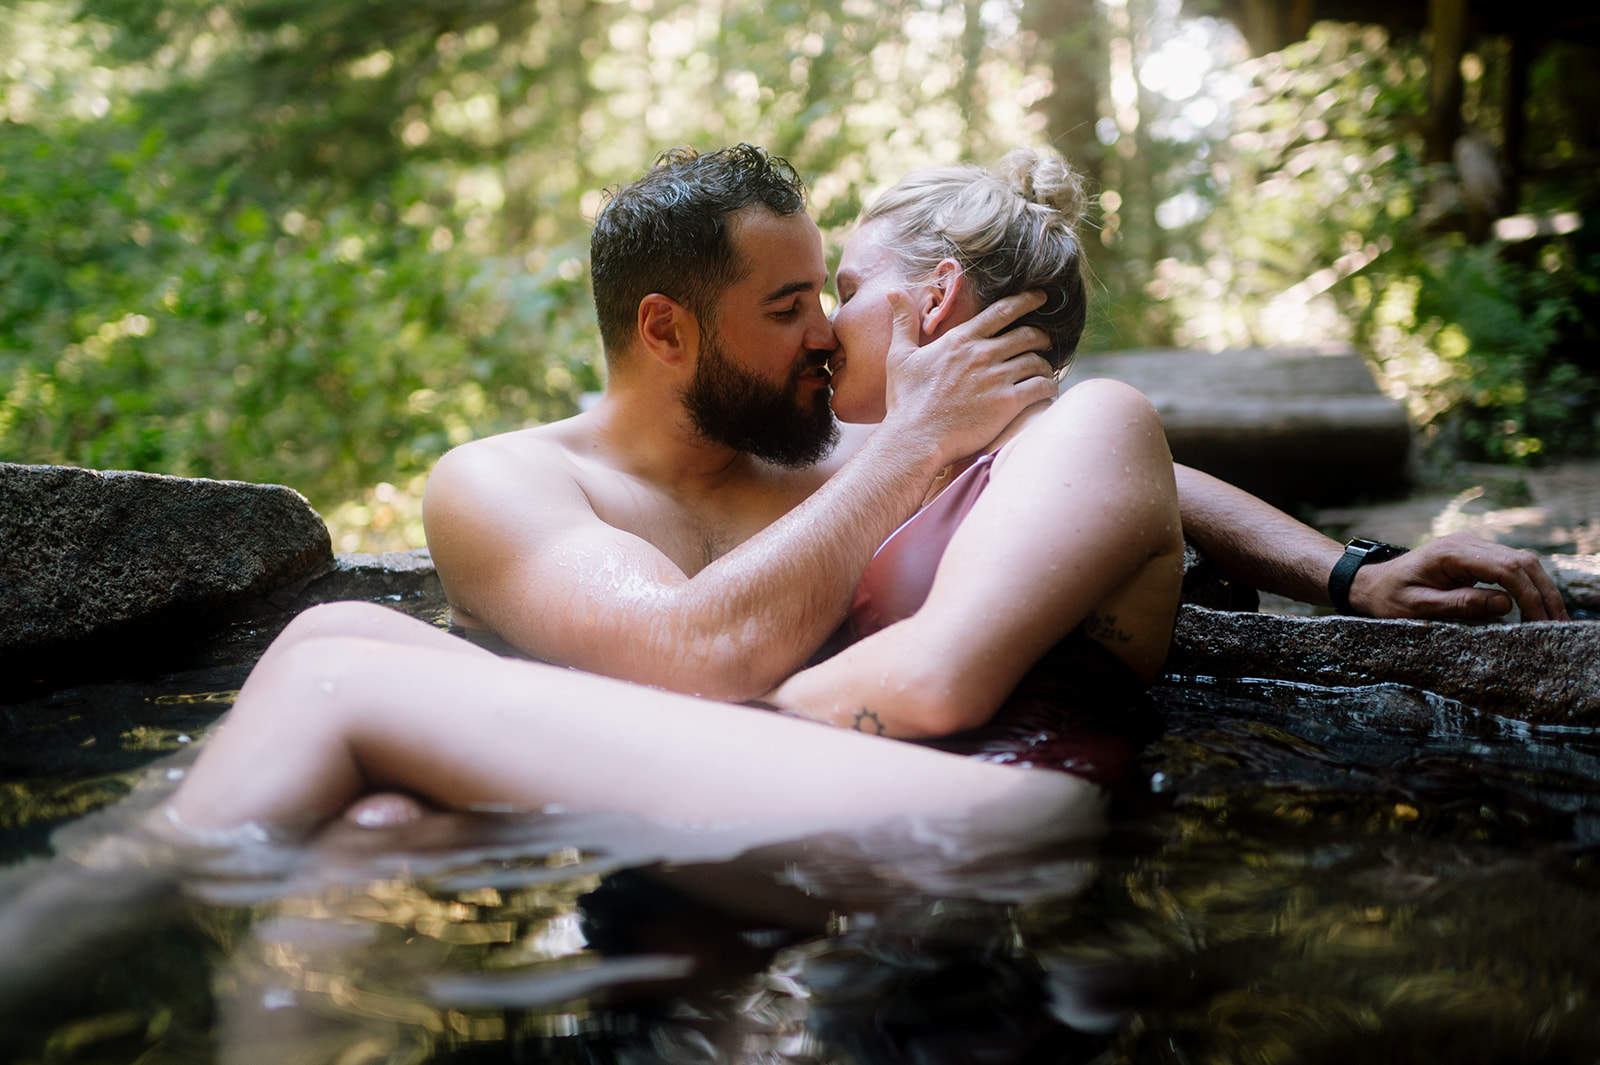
x=1080 y=517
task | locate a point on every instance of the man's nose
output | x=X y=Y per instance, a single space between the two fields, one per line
x=821 y=336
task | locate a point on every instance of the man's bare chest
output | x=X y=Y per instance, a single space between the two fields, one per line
x=694 y=529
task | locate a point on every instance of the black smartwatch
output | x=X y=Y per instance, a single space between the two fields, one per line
x=1357 y=553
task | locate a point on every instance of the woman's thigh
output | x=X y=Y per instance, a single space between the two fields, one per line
x=368 y=621
x=351 y=716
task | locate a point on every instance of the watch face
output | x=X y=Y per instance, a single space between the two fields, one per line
x=1374 y=550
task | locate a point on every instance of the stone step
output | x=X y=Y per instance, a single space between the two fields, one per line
x=1292 y=425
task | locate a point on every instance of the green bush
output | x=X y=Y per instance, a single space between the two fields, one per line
x=1329 y=226
x=1527 y=385
x=327 y=352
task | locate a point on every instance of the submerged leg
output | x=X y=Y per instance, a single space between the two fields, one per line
x=370 y=621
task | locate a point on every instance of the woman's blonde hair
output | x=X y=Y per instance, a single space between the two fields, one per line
x=1011 y=229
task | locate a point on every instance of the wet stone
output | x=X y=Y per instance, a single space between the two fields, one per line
x=72 y=742
x=84 y=553
x=1539 y=672
x=1578 y=577
x=393 y=577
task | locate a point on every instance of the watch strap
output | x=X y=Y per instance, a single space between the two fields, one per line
x=1357 y=553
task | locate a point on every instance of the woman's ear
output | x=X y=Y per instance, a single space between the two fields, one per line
x=944 y=299
x=666 y=329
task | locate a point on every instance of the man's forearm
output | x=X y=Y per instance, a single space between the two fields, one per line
x=1256 y=543
x=785 y=590
x=1252 y=541
x=543 y=570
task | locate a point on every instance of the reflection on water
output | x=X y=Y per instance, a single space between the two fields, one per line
x=1295 y=875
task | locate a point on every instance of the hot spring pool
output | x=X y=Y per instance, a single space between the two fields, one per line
x=1292 y=875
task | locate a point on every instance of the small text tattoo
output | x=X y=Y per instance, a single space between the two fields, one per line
x=869 y=722
x=1105 y=628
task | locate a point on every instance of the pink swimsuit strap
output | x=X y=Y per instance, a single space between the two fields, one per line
x=897 y=580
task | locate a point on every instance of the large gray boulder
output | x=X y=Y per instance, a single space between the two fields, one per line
x=1541 y=672
x=85 y=552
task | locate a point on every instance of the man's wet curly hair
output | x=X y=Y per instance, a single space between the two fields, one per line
x=668 y=232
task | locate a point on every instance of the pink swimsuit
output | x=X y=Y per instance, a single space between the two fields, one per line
x=1070 y=713
x=897 y=580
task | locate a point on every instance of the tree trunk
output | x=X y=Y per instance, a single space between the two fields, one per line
x=1447 y=20
x=1071 y=40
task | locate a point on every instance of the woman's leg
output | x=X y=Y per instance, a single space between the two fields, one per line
x=366 y=621
x=1078 y=525
x=331 y=719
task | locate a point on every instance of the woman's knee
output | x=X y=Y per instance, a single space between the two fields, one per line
x=340 y=619
x=306 y=680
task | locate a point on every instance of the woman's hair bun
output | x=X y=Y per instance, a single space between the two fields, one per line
x=1042 y=177
x=1011 y=229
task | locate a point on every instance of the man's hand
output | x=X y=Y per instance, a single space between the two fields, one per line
x=1254 y=542
x=1437 y=580
x=960 y=391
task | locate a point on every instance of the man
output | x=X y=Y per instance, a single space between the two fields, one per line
x=702 y=528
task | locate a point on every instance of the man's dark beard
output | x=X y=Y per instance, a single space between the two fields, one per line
x=729 y=405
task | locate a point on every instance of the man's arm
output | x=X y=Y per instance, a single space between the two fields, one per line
x=525 y=552
x=1252 y=541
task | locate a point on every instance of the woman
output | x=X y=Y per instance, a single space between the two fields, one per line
x=1068 y=528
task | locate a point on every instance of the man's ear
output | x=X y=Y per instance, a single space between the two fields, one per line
x=940 y=299
x=667 y=329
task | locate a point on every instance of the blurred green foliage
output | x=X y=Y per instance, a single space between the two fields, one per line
x=1327 y=225
x=319 y=243
x=1516 y=343
x=195 y=288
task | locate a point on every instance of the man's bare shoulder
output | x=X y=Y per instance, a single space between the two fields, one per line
x=494 y=506
x=491 y=483
x=545 y=456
